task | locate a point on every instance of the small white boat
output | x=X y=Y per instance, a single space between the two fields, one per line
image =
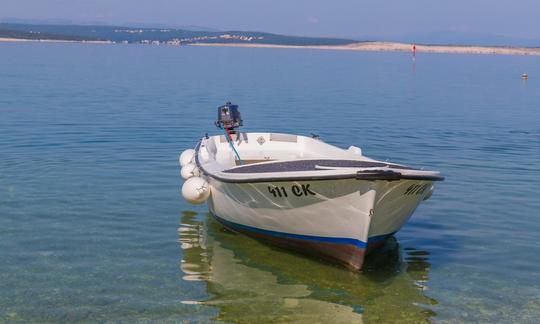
x=301 y=193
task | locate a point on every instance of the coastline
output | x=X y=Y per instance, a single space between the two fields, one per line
x=360 y=46
x=20 y=40
x=398 y=47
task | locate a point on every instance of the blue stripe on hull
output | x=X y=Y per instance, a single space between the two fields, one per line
x=335 y=240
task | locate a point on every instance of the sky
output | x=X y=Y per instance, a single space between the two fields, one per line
x=334 y=18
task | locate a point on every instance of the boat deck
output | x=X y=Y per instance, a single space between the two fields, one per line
x=310 y=165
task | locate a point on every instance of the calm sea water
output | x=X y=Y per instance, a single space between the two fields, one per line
x=93 y=228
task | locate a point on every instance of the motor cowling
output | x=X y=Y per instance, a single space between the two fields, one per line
x=229 y=117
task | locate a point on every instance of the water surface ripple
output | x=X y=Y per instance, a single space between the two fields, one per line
x=92 y=226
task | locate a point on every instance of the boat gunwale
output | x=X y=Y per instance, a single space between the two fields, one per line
x=383 y=176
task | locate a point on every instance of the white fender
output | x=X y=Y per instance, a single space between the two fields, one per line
x=196 y=190
x=189 y=170
x=186 y=157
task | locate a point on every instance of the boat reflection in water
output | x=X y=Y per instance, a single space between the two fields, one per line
x=251 y=281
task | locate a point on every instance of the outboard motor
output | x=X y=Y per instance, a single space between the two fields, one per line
x=229 y=117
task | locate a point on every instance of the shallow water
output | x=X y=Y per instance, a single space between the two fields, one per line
x=92 y=226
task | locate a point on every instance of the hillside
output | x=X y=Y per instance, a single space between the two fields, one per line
x=122 y=34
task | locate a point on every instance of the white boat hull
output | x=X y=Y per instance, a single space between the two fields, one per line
x=302 y=193
x=331 y=216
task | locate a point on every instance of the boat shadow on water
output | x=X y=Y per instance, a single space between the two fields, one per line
x=250 y=281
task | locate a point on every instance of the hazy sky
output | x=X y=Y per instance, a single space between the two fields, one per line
x=345 y=18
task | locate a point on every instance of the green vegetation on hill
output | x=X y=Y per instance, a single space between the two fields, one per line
x=31 y=35
x=121 y=34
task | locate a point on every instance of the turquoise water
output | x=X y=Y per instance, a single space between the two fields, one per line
x=92 y=226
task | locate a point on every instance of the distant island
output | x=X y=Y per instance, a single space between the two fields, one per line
x=155 y=36
x=177 y=37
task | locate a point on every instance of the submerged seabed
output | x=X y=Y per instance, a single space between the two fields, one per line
x=92 y=226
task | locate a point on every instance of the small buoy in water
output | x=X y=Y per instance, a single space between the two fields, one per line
x=189 y=170
x=524 y=76
x=186 y=157
x=196 y=190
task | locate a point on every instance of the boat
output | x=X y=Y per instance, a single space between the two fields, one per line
x=299 y=192
x=524 y=76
